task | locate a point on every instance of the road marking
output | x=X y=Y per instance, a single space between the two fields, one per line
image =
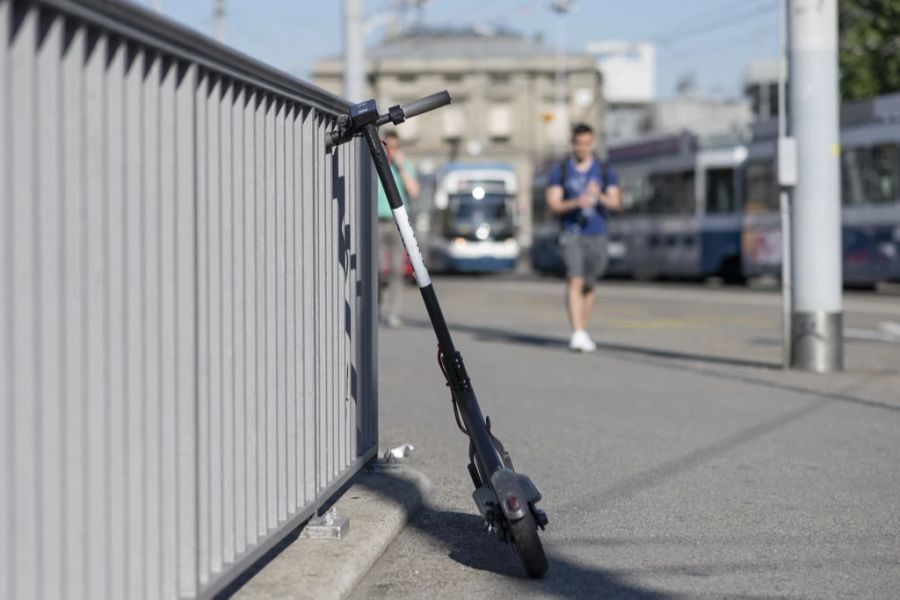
x=861 y=302
x=890 y=328
x=855 y=333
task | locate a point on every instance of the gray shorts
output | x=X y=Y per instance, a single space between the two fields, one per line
x=585 y=256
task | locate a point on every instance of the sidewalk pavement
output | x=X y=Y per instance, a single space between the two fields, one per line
x=379 y=502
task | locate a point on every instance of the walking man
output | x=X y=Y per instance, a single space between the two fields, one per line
x=580 y=191
x=389 y=243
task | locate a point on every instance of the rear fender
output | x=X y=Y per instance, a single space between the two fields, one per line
x=514 y=493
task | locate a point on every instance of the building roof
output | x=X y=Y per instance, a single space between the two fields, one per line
x=430 y=42
x=763 y=71
x=475 y=165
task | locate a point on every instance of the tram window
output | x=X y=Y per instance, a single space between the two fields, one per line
x=883 y=174
x=686 y=200
x=760 y=186
x=853 y=165
x=636 y=193
x=720 y=191
x=672 y=193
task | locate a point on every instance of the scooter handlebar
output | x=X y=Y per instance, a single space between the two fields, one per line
x=423 y=105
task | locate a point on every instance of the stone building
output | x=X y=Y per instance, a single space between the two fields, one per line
x=504 y=90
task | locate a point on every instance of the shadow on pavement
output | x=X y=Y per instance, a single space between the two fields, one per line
x=463 y=537
x=639 y=482
x=641 y=354
x=493 y=334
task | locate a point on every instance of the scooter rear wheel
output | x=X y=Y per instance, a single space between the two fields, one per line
x=528 y=545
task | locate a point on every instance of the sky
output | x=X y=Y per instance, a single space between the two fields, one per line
x=709 y=40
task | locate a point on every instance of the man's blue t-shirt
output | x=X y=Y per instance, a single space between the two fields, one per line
x=588 y=221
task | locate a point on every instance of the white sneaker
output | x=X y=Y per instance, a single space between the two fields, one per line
x=581 y=342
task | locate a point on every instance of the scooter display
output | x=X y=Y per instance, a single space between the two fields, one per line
x=506 y=500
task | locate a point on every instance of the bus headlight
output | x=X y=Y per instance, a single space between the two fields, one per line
x=459 y=241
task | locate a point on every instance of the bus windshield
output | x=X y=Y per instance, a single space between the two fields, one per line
x=487 y=218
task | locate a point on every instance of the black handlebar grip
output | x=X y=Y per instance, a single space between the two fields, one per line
x=422 y=105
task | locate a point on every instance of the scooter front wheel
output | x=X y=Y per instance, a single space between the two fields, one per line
x=528 y=545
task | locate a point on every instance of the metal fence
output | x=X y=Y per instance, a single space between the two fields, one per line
x=187 y=357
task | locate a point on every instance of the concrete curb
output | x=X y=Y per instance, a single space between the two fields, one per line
x=379 y=502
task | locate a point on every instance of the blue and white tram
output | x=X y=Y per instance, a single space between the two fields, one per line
x=682 y=211
x=473 y=222
x=870 y=195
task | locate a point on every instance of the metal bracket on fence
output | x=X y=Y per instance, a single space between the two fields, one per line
x=330 y=526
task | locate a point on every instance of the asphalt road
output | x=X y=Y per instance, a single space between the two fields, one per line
x=678 y=460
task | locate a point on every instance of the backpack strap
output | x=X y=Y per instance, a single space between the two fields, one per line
x=564 y=173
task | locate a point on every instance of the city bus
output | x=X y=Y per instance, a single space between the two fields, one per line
x=473 y=221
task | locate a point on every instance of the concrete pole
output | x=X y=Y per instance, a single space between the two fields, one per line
x=219 y=22
x=561 y=8
x=787 y=178
x=354 y=59
x=817 y=313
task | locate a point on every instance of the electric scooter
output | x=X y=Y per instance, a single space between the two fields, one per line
x=507 y=500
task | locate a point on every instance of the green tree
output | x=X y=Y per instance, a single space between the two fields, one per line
x=869 y=47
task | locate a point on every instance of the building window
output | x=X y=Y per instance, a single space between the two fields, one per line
x=406 y=77
x=453 y=77
x=454 y=122
x=499 y=78
x=409 y=133
x=500 y=123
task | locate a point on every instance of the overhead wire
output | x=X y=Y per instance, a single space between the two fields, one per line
x=707 y=26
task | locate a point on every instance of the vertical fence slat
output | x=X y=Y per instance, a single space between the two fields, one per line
x=50 y=211
x=150 y=334
x=290 y=249
x=278 y=261
x=227 y=285
x=134 y=398
x=116 y=519
x=250 y=328
x=346 y=319
x=330 y=225
x=214 y=307
x=241 y=398
x=353 y=303
x=7 y=501
x=169 y=387
x=97 y=308
x=204 y=522
x=271 y=352
x=185 y=331
x=74 y=361
x=25 y=378
x=260 y=325
x=307 y=291
x=320 y=357
x=297 y=270
x=340 y=285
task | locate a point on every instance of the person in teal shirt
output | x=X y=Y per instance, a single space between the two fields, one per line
x=390 y=245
